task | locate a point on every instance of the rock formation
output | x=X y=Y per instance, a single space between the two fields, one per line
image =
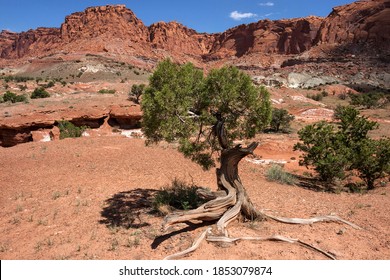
x=358 y=24
x=116 y=30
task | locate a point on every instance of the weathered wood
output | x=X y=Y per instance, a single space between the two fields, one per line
x=231 y=200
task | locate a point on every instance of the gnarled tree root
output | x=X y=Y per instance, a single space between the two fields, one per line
x=236 y=202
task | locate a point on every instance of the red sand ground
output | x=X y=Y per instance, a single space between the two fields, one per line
x=88 y=198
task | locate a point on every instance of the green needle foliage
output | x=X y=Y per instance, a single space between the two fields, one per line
x=40 y=93
x=69 y=130
x=281 y=120
x=336 y=151
x=181 y=105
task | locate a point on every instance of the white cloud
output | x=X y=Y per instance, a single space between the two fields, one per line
x=267 y=4
x=239 y=16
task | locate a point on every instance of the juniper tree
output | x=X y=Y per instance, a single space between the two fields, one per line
x=204 y=115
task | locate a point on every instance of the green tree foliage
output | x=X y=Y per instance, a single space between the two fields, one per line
x=181 y=105
x=323 y=149
x=179 y=195
x=372 y=160
x=368 y=100
x=39 y=93
x=13 y=98
x=336 y=150
x=136 y=92
x=69 y=130
x=281 y=120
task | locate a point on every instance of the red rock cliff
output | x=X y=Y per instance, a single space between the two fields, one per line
x=116 y=30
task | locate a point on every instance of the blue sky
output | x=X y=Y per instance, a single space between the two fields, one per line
x=202 y=15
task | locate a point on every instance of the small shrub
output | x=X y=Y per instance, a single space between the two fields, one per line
x=13 y=98
x=346 y=149
x=69 y=130
x=50 y=84
x=179 y=195
x=315 y=97
x=368 y=100
x=39 y=93
x=22 y=87
x=281 y=120
x=277 y=174
x=342 y=96
x=107 y=91
x=136 y=92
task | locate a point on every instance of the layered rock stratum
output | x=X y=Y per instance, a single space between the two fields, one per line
x=363 y=26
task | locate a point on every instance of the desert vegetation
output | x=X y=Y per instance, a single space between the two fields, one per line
x=219 y=169
x=204 y=116
x=39 y=92
x=338 y=151
x=69 y=130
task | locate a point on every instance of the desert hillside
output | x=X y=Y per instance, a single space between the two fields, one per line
x=91 y=197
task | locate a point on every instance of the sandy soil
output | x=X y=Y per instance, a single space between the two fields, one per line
x=89 y=198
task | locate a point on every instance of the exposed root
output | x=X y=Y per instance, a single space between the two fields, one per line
x=272 y=238
x=194 y=246
x=230 y=202
x=329 y=218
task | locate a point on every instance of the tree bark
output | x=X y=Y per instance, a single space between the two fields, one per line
x=232 y=200
x=223 y=208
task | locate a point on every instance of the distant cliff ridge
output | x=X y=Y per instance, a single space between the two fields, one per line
x=362 y=26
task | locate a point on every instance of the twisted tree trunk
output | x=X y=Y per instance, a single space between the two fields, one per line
x=223 y=207
x=231 y=200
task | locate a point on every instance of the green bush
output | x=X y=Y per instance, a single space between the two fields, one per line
x=281 y=120
x=276 y=173
x=315 y=97
x=368 y=100
x=18 y=79
x=69 y=130
x=39 y=93
x=107 y=91
x=179 y=195
x=136 y=92
x=50 y=84
x=338 y=151
x=13 y=98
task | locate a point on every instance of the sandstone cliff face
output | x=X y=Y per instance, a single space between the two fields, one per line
x=116 y=30
x=282 y=36
x=107 y=21
x=105 y=29
x=31 y=42
x=362 y=22
x=175 y=38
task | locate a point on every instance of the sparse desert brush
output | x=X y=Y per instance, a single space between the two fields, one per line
x=278 y=174
x=107 y=91
x=178 y=195
x=69 y=130
x=13 y=98
x=40 y=93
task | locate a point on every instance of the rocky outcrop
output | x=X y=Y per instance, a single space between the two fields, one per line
x=116 y=30
x=33 y=42
x=267 y=37
x=105 y=29
x=40 y=125
x=358 y=24
x=175 y=38
x=110 y=21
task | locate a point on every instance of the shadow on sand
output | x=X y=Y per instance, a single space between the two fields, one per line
x=124 y=208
